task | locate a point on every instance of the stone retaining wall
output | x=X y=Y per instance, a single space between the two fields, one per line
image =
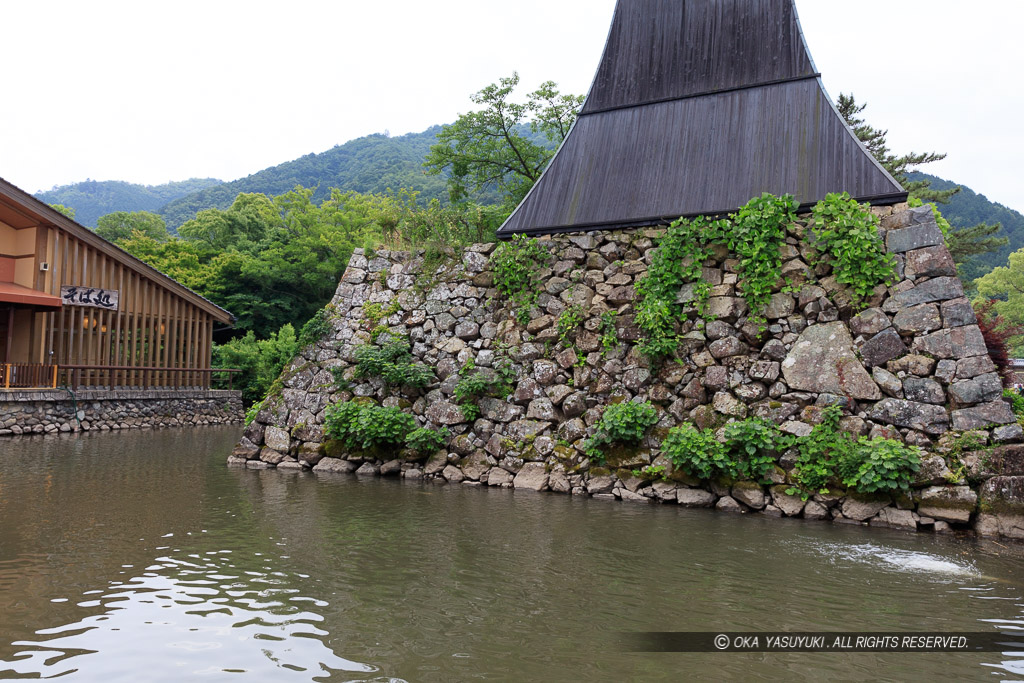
x=57 y=410
x=913 y=366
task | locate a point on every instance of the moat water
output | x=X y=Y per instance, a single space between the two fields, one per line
x=141 y=556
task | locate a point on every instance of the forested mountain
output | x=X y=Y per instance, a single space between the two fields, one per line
x=373 y=163
x=967 y=208
x=94 y=198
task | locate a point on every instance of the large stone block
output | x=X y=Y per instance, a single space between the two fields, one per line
x=924 y=390
x=958 y=312
x=977 y=417
x=925 y=417
x=914 y=237
x=445 y=413
x=726 y=307
x=936 y=289
x=823 y=361
x=532 y=477
x=902 y=219
x=948 y=503
x=917 y=319
x=929 y=262
x=277 y=439
x=959 y=342
x=981 y=389
x=869 y=322
x=882 y=348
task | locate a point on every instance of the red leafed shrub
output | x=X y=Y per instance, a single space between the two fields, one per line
x=997 y=330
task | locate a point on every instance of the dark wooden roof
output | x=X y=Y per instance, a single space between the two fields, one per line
x=697 y=106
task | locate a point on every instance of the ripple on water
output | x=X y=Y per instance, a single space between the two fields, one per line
x=179 y=615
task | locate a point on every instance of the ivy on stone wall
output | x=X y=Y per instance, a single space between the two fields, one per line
x=517 y=264
x=846 y=234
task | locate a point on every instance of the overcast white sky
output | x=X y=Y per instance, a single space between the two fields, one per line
x=154 y=91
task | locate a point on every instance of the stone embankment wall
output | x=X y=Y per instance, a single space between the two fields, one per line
x=912 y=366
x=56 y=410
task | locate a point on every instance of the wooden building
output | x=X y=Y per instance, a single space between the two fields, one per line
x=78 y=310
x=698 y=106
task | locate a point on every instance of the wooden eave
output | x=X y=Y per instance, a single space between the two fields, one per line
x=20 y=203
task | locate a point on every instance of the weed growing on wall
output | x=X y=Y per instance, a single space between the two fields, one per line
x=516 y=264
x=393 y=362
x=569 y=321
x=830 y=456
x=317 y=327
x=677 y=261
x=749 y=450
x=426 y=441
x=609 y=332
x=848 y=233
x=620 y=423
x=359 y=425
x=476 y=383
x=755 y=234
x=374 y=313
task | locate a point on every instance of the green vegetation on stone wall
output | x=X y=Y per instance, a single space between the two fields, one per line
x=846 y=236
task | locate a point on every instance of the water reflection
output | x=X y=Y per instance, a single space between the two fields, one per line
x=139 y=555
x=189 y=616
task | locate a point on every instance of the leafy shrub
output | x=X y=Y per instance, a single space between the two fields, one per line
x=753 y=445
x=475 y=384
x=621 y=423
x=361 y=425
x=393 y=362
x=756 y=232
x=882 y=465
x=316 y=328
x=650 y=472
x=569 y=321
x=426 y=441
x=829 y=455
x=820 y=452
x=697 y=452
x=1016 y=401
x=997 y=331
x=749 y=450
x=252 y=412
x=848 y=233
x=516 y=264
x=261 y=360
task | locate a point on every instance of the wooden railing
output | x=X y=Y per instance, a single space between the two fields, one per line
x=135 y=377
x=27 y=376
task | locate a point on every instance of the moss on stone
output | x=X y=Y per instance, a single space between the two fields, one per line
x=626 y=455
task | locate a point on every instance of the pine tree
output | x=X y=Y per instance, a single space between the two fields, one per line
x=963 y=243
x=897 y=166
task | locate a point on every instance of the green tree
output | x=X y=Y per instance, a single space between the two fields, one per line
x=247 y=221
x=66 y=210
x=120 y=225
x=261 y=360
x=897 y=166
x=488 y=148
x=1005 y=284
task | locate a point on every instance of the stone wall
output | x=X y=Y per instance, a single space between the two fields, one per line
x=913 y=366
x=57 y=410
